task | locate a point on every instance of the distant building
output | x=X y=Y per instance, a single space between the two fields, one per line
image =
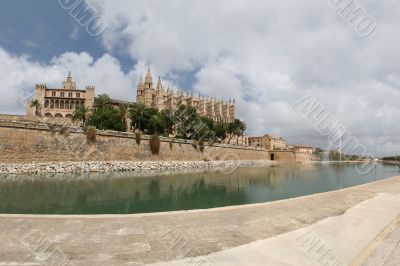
x=237 y=140
x=61 y=102
x=268 y=142
x=161 y=98
x=304 y=149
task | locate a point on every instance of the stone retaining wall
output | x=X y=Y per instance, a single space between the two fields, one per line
x=35 y=141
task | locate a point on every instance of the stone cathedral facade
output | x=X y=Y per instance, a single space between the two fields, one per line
x=162 y=98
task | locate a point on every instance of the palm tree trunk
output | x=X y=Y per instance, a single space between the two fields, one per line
x=230 y=138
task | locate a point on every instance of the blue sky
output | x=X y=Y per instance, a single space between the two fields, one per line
x=266 y=54
x=42 y=29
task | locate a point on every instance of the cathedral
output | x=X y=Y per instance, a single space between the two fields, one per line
x=161 y=99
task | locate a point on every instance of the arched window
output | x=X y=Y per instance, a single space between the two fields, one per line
x=58 y=115
x=57 y=104
x=46 y=104
x=62 y=105
x=51 y=104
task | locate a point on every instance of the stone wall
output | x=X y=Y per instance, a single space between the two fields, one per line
x=38 y=142
x=32 y=118
x=35 y=142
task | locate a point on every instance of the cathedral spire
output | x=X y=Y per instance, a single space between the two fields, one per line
x=140 y=83
x=159 y=84
x=148 y=75
x=148 y=80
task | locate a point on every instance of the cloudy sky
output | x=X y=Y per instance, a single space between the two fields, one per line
x=267 y=54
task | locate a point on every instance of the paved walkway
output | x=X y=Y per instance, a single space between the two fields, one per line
x=333 y=241
x=152 y=238
x=387 y=252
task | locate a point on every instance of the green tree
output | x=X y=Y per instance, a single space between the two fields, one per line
x=155 y=122
x=186 y=119
x=168 y=121
x=137 y=115
x=123 y=113
x=235 y=128
x=106 y=119
x=221 y=130
x=81 y=114
x=105 y=116
x=102 y=102
x=148 y=113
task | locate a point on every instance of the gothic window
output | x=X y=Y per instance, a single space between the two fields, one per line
x=78 y=95
x=70 y=94
x=53 y=93
x=62 y=94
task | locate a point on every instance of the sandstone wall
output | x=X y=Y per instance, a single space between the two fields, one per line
x=37 y=142
x=24 y=118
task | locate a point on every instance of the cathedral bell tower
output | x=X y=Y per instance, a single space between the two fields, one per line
x=148 y=90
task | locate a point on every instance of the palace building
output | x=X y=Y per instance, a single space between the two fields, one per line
x=61 y=102
x=162 y=98
x=269 y=142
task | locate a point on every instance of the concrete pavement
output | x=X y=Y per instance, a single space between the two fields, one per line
x=333 y=241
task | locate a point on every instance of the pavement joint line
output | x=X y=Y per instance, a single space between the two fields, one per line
x=376 y=242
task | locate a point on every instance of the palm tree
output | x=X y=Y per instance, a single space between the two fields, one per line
x=81 y=114
x=137 y=113
x=242 y=129
x=123 y=112
x=102 y=102
x=36 y=104
x=236 y=128
x=156 y=121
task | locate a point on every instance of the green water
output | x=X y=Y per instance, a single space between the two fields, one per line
x=126 y=193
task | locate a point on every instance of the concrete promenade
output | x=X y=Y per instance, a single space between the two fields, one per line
x=347 y=226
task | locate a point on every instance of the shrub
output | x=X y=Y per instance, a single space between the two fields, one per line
x=194 y=144
x=53 y=128
x=64 y=131
x=138 y=137
x=91 y=134
x=155 y=144
x=201 y=146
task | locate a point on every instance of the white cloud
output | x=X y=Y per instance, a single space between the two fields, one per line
x=19 y=74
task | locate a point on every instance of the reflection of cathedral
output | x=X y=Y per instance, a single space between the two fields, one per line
x=168 y=99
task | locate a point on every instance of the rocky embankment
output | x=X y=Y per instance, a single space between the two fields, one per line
x=73 y=167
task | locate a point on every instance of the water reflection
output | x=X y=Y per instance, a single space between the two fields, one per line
x=124 y=193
